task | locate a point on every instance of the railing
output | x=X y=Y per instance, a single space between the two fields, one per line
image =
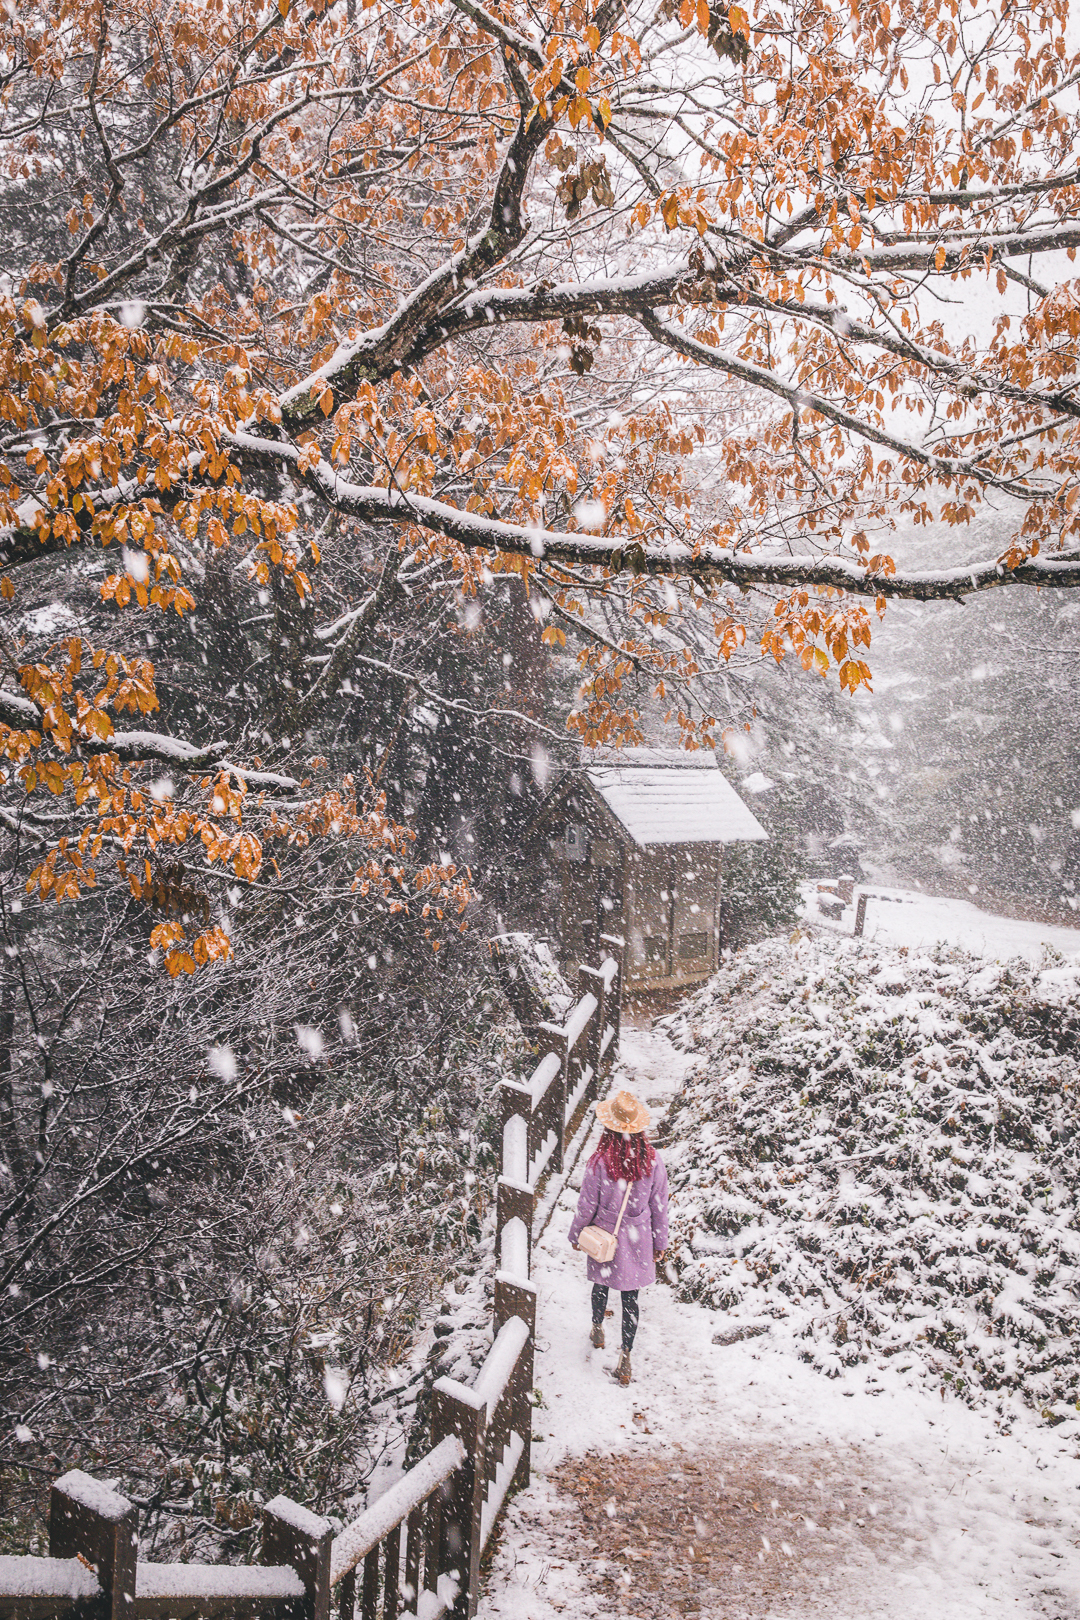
x=415 y=1578
x=92 y=1568
x=539 y=1117
x=415 y=1553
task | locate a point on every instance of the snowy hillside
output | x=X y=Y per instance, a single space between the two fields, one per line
x=919 y=921
x=881 y=1147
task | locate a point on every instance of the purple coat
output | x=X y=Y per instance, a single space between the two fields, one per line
x=644 y=1229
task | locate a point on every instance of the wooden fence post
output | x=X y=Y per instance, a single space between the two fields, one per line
x=591 y=982
x=514 y=1199
x=860 y=915
x=295 y=1536
x=553 y=1039
x=616 y=949
x=515 y=1144
x=514 y=1203
x=456 y=1410
x=88 y=1519
x=513 y=1298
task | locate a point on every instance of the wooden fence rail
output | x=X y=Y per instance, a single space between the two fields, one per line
x=415 y=1553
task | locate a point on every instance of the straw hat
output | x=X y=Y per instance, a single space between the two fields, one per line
x=623 y=1112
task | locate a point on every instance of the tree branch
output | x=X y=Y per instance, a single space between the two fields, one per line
x=800 y=398
x=673 y=559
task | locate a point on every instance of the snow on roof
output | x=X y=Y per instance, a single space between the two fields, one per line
x=666 y=796
x=671 y=759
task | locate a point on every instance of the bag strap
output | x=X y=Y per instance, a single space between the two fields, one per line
x=622 y=1211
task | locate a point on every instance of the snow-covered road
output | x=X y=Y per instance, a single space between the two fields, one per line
x=864 y=1498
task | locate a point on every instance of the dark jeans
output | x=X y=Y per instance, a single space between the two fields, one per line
x=630 y=1312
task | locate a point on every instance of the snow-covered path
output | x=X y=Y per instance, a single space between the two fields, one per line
x=919 y=921
x=733 y=1481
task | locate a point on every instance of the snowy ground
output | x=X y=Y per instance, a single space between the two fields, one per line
x=733 y=1481
x=919 y=921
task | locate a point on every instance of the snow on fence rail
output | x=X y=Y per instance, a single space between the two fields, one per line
x=448 y=1503
x=539 y=1117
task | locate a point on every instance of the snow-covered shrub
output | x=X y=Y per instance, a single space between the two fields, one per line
x=883 y=1149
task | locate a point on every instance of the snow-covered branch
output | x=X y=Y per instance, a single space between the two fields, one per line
x=675 y=558
x=405 y=340
x=801 y=398
x=22 y=714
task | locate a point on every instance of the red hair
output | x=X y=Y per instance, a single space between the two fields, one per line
x=625 y=1158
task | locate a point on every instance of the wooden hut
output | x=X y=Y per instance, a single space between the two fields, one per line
x=637 y=840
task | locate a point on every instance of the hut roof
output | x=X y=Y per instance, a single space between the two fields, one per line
x=669 y=796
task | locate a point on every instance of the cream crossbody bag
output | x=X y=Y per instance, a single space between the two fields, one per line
x=597 y=1243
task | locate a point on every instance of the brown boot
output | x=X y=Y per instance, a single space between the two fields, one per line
x=596 y=1337
x=622 y=1370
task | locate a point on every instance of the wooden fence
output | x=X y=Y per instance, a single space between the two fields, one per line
x=415 y=1554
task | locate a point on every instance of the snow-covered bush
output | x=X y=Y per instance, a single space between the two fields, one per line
x=883 y=1149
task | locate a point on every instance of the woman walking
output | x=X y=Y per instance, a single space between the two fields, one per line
x=624 y=1174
